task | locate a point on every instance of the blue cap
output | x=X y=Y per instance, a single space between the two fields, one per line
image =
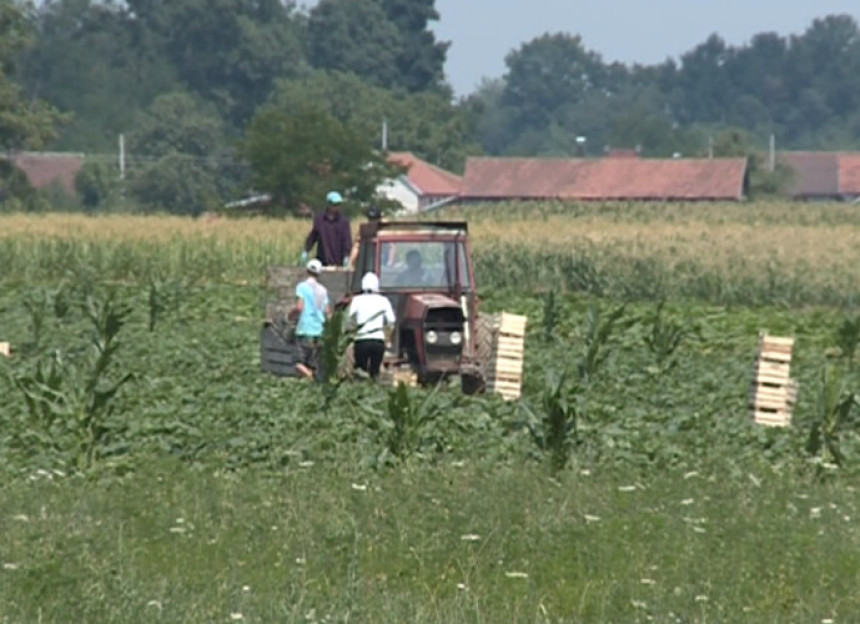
x=334 y=198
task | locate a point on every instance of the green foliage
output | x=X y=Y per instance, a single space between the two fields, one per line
x=833 y=410
x=181 y=148
x=98 y=185
x=301 y=155
x=386 y=43
x=664 y=339
x=69 y=402
x=24 y=122
x=426 y=123
x=597 y=334
x=847 y=339
x=551 y=315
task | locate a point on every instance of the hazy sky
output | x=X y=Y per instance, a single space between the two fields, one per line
x=482 y=32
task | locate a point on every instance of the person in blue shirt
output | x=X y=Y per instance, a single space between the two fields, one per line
x=312 y=309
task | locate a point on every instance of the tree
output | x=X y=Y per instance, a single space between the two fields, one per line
x=178 y=153
x=299 y=155
x=226 y=51
x=547 y=73
x=421 y=59
x=424 y=123
x=90 y=58
x=24 y=122
x=385 y=42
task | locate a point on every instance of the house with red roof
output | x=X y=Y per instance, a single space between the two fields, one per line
x=823 y=176
x=609 y=179
x=424 y=185
x=46 y=168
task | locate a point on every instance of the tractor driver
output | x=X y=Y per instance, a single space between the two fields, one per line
x=414 y=273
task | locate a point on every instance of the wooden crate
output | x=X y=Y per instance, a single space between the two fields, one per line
x=774 y=392
x=501 y=348
x=5 y=349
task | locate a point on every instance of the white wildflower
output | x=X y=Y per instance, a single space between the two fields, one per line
x=691 y=474
x=585 y=472
x=648 y=581
x=178 y=529
x=301 y=560
x=627 y=488
x=701 y=598
x=236 y=616
x=590 y=518
x=246 y=588
x=305 y=464
x=358 y=487
x=815 y=512
x=470 y=537
x=518 y=575
x=688 y=501
x=10 y=566
x=638 y=604
x=462 y=586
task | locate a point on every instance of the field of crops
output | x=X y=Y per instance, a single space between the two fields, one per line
x=150 y=472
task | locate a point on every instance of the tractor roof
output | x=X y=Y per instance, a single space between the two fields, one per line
x=375 y=228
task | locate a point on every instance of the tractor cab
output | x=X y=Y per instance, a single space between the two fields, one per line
x=425 y=269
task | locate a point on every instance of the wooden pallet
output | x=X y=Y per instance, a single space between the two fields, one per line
x=774 y=392
x=502 y=350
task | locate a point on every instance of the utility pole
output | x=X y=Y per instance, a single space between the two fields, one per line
x=772 y=153
x=121 y=156
x=384 y=134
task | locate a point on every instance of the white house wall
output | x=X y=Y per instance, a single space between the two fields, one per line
x=398 y=191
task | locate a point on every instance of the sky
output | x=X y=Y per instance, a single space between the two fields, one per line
x=483 y=32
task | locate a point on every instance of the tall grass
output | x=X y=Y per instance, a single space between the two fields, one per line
x=764 y=253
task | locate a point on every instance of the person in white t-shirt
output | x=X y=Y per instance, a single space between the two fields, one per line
x=371 y=313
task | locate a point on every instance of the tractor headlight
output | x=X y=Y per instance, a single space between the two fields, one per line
x=432 y=337
x=456 y=338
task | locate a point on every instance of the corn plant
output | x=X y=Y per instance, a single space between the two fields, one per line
x=832 y=414
x=663 y=340
x=69 y=404
x=847 y=339
x=555 y=430
x=597 y=334
x=551 y=315
x=407 y=413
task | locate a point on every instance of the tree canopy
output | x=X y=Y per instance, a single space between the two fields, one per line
x=186 y=81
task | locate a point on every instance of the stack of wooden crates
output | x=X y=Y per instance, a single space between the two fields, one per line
x=502 y=348
x=774 y=392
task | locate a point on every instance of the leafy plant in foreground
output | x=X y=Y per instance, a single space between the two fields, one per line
x=68 y=405
x=551 y=315
x=663 y=340
x=847 y=339
x=407 y=413
x=833 y=413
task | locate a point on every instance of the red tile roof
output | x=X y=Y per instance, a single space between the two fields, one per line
x=849 y=174
x=427 y=178
x=608 y=178
x=44 y=168
x=814 y=174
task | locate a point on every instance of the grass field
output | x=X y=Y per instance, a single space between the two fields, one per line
x=204 y=491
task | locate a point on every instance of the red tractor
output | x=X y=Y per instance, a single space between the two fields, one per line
x=425 y=269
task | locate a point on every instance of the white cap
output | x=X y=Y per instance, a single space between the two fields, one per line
x=315 y=266
x=370 y=283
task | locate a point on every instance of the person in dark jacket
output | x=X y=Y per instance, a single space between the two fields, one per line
x=331 y=234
